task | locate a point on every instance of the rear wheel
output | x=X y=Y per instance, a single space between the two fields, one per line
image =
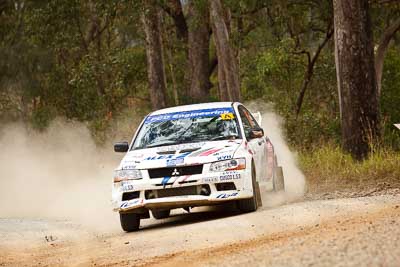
x=251 y=204
x=129 y=221
x=161 y=214
x=278 y=180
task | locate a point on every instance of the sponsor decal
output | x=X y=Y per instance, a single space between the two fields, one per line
x=175 y=181
x=227 y=176
x=227 y=195
x=224 y=157
x=170 y=157
x=131 y=203
x=126 y=186
x=209 y=152
x=178 y=180
x=227 y=116
x=184 y=178
x=165 y=181
x=174 y=162
x=212 y=179
x=198 y=152
x=189 y=114
x=224 y=154
x=128 y=167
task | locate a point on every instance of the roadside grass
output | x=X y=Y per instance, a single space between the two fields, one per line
x=328 y=169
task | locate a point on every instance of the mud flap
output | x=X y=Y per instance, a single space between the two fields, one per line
x=279 y=181
x=258 y=195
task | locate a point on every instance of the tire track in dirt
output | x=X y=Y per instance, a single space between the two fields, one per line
x=270 y=236
x=222 y=255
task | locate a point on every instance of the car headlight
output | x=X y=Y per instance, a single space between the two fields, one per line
x=121 y=175
x=228 y=165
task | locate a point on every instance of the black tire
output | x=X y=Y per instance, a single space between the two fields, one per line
x=250 y=204
x=129 y=221
x=278 y=180
x=160 y=214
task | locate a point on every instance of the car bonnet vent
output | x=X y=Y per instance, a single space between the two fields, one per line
x=166 y=152
x=189 y=150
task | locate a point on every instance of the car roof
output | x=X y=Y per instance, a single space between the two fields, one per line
x=193 y=107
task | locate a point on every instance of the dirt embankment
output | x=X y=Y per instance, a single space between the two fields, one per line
x=342 y=232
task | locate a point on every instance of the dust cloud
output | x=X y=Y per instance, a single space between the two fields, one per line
x=62 y=174
x=293 y=176
x=58 y=174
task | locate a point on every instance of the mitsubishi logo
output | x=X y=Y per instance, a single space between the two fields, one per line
x=175 y=172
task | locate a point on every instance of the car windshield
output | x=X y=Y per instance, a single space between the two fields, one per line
x=188 y=127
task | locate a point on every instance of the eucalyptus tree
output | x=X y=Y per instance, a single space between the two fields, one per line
x=358 y=92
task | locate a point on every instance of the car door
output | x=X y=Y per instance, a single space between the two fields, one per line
x=256 y=144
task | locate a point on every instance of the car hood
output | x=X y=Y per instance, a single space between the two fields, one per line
x=180 y=155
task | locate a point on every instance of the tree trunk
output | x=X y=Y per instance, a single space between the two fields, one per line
x=174 y=9
x=222 y=87
x=354 y=56
x=155 y=62
x=380 y=53
x=228 y=74
x=169 y=61
x=94 y=34
x=198 y=58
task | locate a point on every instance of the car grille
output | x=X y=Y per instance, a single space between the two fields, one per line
x=167 y=172
x=179 y=191
x=173 y=192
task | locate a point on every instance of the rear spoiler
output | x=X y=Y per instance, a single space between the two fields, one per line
x=257 y=116
x=397 y=125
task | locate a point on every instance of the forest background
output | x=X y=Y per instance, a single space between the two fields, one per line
x=90 y=61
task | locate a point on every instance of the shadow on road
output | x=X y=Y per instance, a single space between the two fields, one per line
x=198 y=215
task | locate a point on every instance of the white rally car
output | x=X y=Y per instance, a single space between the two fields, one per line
x=194 y=155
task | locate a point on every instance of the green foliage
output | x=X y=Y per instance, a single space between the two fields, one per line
x=390 y=98
x=276 y=75
x=86 y=60
x=42 y=116
x=81 y=61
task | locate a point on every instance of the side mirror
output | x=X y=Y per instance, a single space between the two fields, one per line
x=121 y=147
x=256 y=133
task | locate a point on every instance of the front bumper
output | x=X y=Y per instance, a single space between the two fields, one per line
x=142 y=202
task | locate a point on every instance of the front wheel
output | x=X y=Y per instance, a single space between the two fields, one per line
x=129 y=221
x=161 y=214
x=251 y=204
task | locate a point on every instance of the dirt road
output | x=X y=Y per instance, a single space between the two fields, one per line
x=338 y=232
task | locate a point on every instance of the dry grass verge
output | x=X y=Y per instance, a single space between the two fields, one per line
x=328 y=169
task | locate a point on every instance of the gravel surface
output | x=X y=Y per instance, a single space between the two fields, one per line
x=370 y=240
x=363 y=231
